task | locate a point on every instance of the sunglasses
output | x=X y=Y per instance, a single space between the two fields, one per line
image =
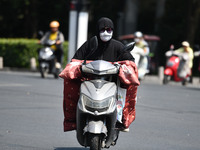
x=109 y=30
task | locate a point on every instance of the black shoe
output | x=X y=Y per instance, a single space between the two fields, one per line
x=119 y=126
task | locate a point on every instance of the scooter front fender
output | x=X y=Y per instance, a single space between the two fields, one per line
x=168 y=72
x=44 y=65
x=96 y=127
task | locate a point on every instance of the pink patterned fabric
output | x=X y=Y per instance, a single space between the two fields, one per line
x=128 y=73
x=72 y=80
x=72 y=70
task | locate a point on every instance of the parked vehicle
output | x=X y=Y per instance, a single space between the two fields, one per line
x=47 y=60
x=173 y=69
x=96 y=114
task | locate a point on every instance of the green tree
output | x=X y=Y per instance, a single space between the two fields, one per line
x=23 y=18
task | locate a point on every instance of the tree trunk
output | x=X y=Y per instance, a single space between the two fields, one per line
x=34 y=19
x=160 y=9
x=131 y=13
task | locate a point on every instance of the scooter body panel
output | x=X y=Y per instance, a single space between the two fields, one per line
x=96 y=127
x=47 y=61
x=171 y=68
x=96 y=110
x=141 y=62
x=168 y=72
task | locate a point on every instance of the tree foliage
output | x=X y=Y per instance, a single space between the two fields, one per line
x=180 y=21
x=23 y=18
x=18 y=52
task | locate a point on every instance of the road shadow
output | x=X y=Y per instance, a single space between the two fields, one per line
x=71 y=148
x=49 y=77
x=193 y=88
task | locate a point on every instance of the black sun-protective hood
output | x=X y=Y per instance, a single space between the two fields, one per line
x=104 y=22
x=111 y=50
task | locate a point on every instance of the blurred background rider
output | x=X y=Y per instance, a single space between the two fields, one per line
x=140 y=53
x=55 y=34
x=186 y=49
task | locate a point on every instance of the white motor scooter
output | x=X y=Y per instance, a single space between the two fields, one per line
x=96 y=114
x=141 y=61
x=47 y=60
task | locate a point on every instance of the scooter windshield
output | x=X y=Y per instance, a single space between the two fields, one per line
x=100 y=67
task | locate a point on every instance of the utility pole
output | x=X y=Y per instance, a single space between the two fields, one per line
x=72 y=29
x=78 y=25
x=82 y=23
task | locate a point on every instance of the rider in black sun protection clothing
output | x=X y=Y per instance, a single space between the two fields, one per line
x=108 y=48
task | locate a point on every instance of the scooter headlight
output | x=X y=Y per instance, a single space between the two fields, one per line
x=46 y=53
x=99 y=105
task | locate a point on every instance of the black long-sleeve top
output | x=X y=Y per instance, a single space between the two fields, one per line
x=112 y=51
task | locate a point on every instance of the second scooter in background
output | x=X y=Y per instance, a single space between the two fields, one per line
x=140 y=53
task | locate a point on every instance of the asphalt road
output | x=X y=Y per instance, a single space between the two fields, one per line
x=167 y=117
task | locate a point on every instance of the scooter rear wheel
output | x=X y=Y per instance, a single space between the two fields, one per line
x=95 y=141
x=184 y=82
x=56 y=76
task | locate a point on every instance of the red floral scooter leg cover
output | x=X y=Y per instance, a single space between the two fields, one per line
x=128 y=75
x=72 y=89
x=71 y=96
x=129 y=108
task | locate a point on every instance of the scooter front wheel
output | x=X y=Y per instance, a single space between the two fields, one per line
x=184 y=82
x=166 y=79
x=43 y=74
x=56 y=76
x=95 y=141
x=57 y=72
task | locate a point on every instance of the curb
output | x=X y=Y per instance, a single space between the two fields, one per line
x=147 y=79
x=156 y=79
x=18 y=69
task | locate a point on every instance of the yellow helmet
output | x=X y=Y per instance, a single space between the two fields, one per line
x=54 y=24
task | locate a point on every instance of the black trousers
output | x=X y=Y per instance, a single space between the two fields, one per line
x=59 y=54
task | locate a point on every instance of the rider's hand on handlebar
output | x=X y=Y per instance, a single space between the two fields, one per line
x=117 y=65
x=58 y=42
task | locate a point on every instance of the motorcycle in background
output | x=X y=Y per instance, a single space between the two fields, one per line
x=174 y=67
x=47 y=60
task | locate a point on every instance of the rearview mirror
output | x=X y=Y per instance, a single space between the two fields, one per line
x=40 y=34
x=129 y=47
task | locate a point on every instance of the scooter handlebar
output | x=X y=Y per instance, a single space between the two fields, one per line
x=50 y=42
x=197 y=53
x=172 y=53
x=169 y=53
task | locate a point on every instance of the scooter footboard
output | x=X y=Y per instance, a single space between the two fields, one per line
x=96 y=127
